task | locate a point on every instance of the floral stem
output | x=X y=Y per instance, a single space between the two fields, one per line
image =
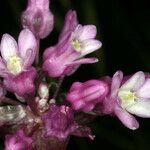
x=6 y=100
x=37 y=54
x=61 y=79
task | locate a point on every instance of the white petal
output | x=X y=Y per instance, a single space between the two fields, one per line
x=90 y=46
x=27 y=42
x=8 y=47
x=135 y=82
x=144 y=91
x=87 y=32
x=141 y=108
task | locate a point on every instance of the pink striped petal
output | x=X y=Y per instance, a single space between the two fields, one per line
x=116 y=82
x=128 y=120
x=83 y=61
x=70 y=23
x=3 y=69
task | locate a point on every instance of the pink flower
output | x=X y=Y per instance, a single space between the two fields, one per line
x=84 y=96
x=18 y=141
x=38 y=18
x=131 y=97
x=16 y=61
x=75 y=42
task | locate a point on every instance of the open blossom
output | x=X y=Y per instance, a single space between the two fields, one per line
x=18 y=141
x=75 y=42
x=129 y=97
x=38 y=18
x=16 y=61
x=84 y=96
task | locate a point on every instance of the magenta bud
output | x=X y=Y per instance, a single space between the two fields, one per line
x=38 y=18
x=84 y=96
x=18 y=141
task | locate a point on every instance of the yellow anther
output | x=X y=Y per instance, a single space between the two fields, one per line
x=14 y=65
x=76 y=45
x=127 y=98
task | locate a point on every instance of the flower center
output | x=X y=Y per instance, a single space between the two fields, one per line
x=127 y=97
x=76 y=45
x=14 y=65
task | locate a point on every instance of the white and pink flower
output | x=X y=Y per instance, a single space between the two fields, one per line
x=16 y=61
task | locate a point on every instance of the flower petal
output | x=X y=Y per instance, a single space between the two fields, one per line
x=21 y=84
x=8 y=47
x=48 y=52
x=70 y=23
x=85 y=32
x=83 y=61
x=43 y=4
x=29 y=58
x=128 y=120
x=89 y=46
x=27 y=41
x=141 y=108
x=135 y=82
x=116 y=81
x=3 y=69
x=144 y=91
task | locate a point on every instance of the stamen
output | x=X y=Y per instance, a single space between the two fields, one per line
x=14 y=65
x=76 y=45
x=127 y=98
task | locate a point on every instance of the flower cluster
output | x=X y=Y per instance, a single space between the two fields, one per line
x=38 y=115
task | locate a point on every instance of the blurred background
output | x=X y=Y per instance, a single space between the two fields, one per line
x=124 y=29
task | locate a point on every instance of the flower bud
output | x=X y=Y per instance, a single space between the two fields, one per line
x=38 y=18
x=43 y=91
x=18 y=141
x=84 y=96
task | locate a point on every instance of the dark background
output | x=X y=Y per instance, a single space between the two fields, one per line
x=124 y=29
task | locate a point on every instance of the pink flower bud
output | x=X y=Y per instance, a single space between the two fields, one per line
x=38 y=18
x=18 y=141
x=84 y=96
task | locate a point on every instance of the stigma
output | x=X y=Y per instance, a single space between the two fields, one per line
x=15 y=65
